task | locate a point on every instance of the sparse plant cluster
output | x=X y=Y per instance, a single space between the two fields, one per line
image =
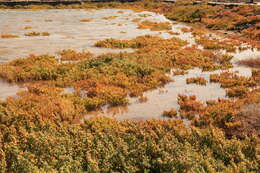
x=109 y=17
x=239 y=91
x=216 y=44
x=136 y=20
x=196 y=80
x=85 y=20
x=142 y=42
x=142 y=99
x=154 y=26
x=170 y=113
x=174 y=33
x=189 y=106
x=238 y=86
x=106 y=79
x=179 y=72
x=8 y=36
x=27 y=27
x=232 y=116
x=34 y=34
x=72 y=55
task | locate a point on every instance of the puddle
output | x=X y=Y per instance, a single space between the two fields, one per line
x=8 y=90
x=245 y=54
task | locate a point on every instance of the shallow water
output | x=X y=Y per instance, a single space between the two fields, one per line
x=68 y=32
x=8 y=90
x=165 y=98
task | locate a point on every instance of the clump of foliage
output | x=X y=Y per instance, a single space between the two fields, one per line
x=102 y=145
x=179 y=72
x=190 y=13
x=170 y=52
x=136 y=20
x=196 y=80
x=109 y=17
x=32 y=68
x=186 y=29
x=242 y=18
x=154 y=26
x=174 y=33
x=141 y=42
x=34 y=34
x=85 y=20
x=189 y=106
x=48 y=20
x=170 y=113
x=142 y=99
x=256 y=74
x=9 y=36
x=216 y=44
x=237 y=91
x=45 y=34
x=229 y=79
x=27 y=27
x=72 y=55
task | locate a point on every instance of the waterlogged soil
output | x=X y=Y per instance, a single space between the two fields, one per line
x=68 y=31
